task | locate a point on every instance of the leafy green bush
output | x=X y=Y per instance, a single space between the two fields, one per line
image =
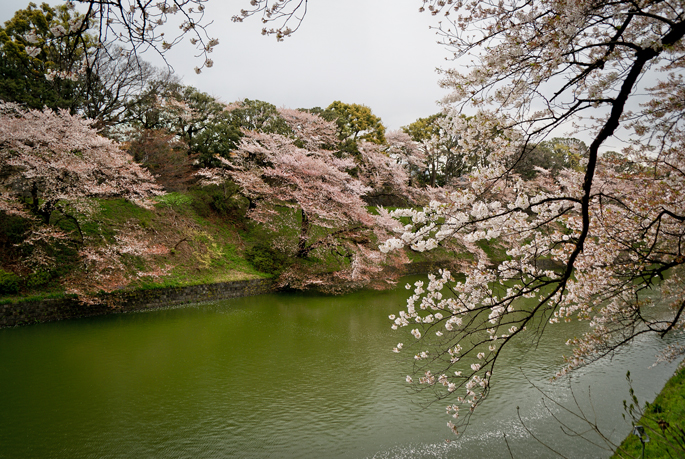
x=9 y=282
x=267 y=260
x=13 y=229
x=220 y=200
x=39 y=279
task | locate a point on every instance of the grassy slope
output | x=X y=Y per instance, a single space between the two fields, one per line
x=206 y=245
x=667 y=412
x=203 y=248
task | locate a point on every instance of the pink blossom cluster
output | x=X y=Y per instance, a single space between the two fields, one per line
x=601 y=242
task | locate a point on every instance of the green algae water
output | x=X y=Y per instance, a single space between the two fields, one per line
x=285 y=375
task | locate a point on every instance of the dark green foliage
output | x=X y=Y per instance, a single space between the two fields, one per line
x=537 y=155
x=223 y=133
x=257 y=115
x=328 y=114
x=202 y=203
x=266 y=259
x=204 y=108
x=218 y=138
x=220 y=200
x=167 y=105
x=205 y=126
x=13 y=233
x=9 y=282
x=39 y=279
x=348 y=147
x=553 y=155
x=12 y=230
x=354 y=123
x=22 y=77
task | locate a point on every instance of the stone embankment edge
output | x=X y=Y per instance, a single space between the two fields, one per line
x=50 y=310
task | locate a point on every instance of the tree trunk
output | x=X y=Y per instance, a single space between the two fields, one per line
x=47 y=209
x=433 y=173
x=76 y=223
x=302 y=249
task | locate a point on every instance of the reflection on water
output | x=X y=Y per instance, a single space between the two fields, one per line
x=276 y=376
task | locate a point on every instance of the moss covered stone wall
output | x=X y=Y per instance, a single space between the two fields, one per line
x=48 y=310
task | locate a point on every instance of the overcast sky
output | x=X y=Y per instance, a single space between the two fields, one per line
x=379 y=53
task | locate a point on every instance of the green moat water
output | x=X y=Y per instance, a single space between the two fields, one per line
x=284 y=375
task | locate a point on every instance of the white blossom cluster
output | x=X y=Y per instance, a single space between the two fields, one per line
x=602 y=240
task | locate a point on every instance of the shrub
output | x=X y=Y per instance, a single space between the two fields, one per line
x=39 y=279
x=267 y=260
x=9 y=282
x=219 y=200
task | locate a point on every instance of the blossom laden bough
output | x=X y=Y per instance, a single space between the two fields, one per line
x=136 y=27
x=592 y=242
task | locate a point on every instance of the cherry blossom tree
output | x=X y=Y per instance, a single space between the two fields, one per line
x=51 y=159
x=387 y=169
x=55 y=163
x=304 y=193
x=404 y=149
x=273 y=172
x=310 y=131
x=600 y=242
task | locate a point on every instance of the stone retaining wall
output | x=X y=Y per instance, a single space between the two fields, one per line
x=49 y=310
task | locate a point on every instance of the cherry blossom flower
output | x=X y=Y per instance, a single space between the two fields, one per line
x=601 y=242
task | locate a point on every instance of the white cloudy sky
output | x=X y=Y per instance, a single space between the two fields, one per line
x=379 y=53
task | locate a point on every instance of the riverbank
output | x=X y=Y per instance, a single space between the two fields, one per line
x=25 y=311
x=185 y=240
x=663 y=423
x=70 y=307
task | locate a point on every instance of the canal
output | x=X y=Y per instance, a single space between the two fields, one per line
x=283 y=375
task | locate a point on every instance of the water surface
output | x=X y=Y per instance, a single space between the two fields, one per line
x=286 y=375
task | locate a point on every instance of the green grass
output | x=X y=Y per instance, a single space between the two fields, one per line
x=37 y=297
x=214 y=253
x=121 y=211
x=173 y=200
x=210 y=251
x=664 y=422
